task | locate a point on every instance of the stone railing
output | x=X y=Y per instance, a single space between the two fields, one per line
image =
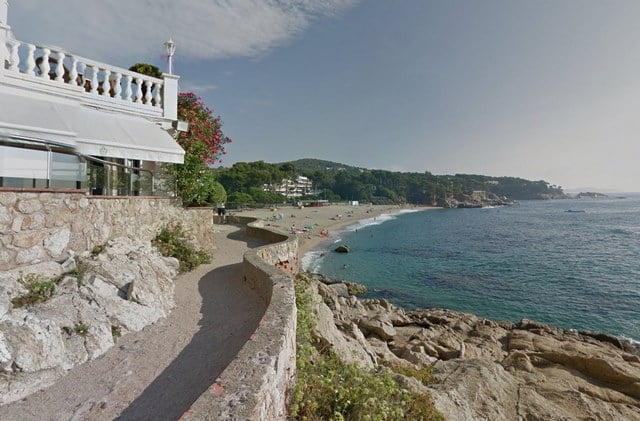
x=254 y=385
x=52 y=70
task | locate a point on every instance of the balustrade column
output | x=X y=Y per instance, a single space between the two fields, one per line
x=14 y=56
x=117 y=88
x=127 y=88
x=73 y=71
x=31 y=60
x=106 y=85
x=45 y=68
x=94 y=80
x=157 y=95
x=60 y=67
x=138 y=91
x=147 y=95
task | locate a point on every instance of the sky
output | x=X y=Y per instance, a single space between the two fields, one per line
x=544 y=89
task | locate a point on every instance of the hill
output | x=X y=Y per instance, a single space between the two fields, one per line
x=382 y=186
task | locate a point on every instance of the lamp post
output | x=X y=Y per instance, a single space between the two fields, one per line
x=171 y=49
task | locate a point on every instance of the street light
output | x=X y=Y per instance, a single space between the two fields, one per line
x=171 y=49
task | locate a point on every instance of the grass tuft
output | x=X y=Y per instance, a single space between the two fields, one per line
x=39 y=290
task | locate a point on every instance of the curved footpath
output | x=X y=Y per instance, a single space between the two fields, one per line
x=159 y=372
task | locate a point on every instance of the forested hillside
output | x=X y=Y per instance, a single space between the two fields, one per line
x=333 y=181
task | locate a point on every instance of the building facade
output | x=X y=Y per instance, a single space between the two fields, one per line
x=73 y=123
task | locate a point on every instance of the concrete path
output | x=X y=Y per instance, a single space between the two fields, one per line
x=156 y=374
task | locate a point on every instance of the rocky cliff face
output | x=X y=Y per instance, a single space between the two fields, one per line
x=484 y=369
x=87 y=303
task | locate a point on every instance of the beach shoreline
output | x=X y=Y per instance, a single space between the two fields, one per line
x=332 y=218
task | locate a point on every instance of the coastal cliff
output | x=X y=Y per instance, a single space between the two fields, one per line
x=483 y=369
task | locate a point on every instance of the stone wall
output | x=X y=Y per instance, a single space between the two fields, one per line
x=254 y=385
x=49 y=226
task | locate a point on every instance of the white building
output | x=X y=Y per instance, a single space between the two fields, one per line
x=69 y=122
x=292 y=189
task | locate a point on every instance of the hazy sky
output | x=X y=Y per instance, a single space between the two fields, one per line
x=544 y=89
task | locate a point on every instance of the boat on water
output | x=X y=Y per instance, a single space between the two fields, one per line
x=575 y=211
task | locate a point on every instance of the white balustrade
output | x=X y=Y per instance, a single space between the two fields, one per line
x=45 y=67
x=89 y=77
x=60 y=68
x=106 y=84
x=138 y=90
x=31 y=60
x=127 y=88
x=73 y=71
x=94 y=79
x=14 y=56
x=117 y=88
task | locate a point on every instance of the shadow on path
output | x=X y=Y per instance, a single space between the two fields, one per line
x=230 y=314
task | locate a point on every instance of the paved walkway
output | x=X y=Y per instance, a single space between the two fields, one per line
x=156 y=374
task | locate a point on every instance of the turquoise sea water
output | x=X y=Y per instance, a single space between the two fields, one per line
x=533 y=260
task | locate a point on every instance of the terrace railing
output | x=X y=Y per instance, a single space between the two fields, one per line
x=53 y=69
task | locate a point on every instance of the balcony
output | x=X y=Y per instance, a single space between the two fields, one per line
x=54 y=71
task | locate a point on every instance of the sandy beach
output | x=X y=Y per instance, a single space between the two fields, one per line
x=331 y=218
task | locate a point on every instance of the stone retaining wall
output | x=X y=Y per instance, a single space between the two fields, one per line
x=48 y=226
x=254 y=385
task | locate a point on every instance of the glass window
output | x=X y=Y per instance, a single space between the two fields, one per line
x=67 y=171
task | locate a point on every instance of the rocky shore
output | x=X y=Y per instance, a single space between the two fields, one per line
x=484 y=369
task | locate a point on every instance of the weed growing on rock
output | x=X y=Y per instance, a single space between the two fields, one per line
x=424 y=374
x=39 y=290
x=81 y=329
x=82 y=267
x=97 y=249
x=172 y=242
x=116 y=332
x=356 y=289
x=327 y=388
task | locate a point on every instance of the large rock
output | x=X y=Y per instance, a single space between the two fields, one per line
x=40 y=342
x=496 y=370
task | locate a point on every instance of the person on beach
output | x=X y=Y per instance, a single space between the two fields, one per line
x=222 y=211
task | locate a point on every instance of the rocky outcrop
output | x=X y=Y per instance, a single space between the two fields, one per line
x=476 y=199
x=484 y=369
x=95 y=299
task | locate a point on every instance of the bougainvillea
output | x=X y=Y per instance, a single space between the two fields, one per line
x=203 y=145
x=204 y=139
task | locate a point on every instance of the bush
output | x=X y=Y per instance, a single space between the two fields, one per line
x=39 y=290
x=172 y=242
x=327 y=388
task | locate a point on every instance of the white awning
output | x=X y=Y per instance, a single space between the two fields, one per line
x=89 y=131
x=28 y=118
x=120 y=136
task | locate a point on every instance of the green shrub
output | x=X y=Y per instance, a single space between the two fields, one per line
x=172 y=242
x=327 y=388
x=39 y=290
x=97 y=249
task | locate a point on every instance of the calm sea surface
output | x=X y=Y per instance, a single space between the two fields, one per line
x=533 y=260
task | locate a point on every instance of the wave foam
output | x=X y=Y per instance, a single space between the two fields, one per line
x=312 y=260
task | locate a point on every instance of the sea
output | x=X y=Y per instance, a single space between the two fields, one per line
x=573 y=263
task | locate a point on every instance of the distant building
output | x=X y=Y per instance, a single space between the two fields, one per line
x=493 y=182
x=292 y=189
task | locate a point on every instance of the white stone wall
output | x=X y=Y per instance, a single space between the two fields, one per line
x=48 y=226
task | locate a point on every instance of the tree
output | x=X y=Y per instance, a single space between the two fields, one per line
x=146 y=69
